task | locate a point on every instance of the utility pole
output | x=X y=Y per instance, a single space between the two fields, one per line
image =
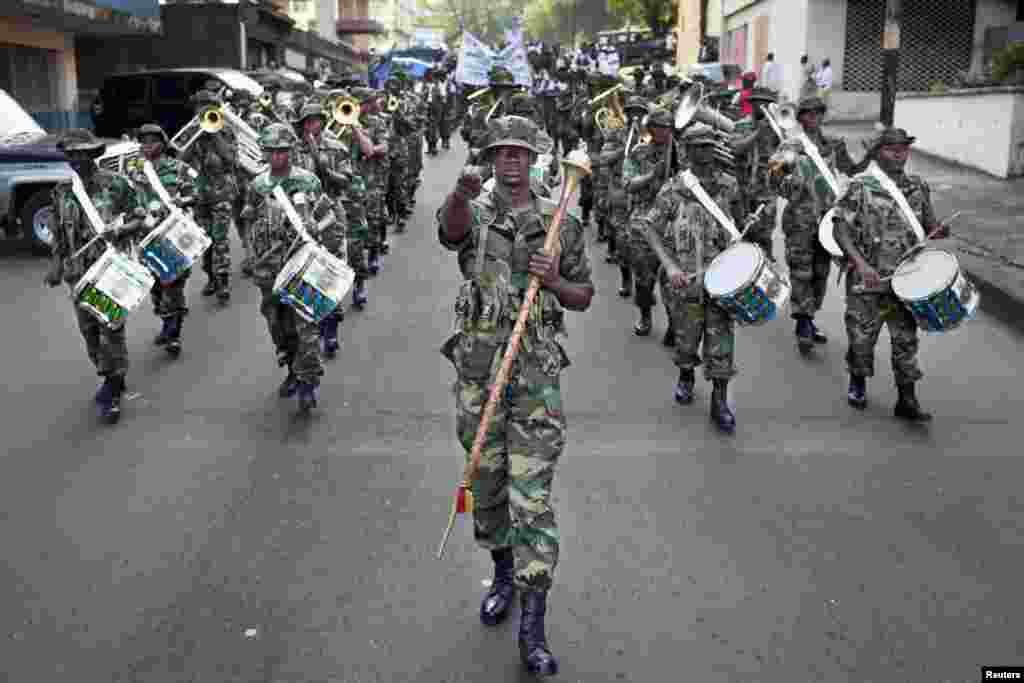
x=890 y=60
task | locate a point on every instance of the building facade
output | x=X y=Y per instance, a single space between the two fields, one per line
x=39 y=50
x=941 y=41
x=399 y=18
x=688 y=29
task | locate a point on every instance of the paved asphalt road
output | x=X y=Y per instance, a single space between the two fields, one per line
x=213 y=536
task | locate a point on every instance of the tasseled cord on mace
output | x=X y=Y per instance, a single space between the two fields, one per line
x=575 y=165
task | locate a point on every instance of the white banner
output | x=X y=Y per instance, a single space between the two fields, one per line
x=476 y=59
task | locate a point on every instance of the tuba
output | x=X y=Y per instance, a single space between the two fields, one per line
x=691 y=108
x=611 y=116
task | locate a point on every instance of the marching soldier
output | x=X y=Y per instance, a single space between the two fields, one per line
x=873 y=233
x=753 y=151
x=398 y=154
x=434 y=96
x=297 y=342
x=450 y=89
x=322 y=156
x=498 y=237
x=214 y=156
x=612 y=158
x=112 y=194
x=808 y=201
x=374 y=168
x=686 y=238
x=179 y=180
x=646 y=170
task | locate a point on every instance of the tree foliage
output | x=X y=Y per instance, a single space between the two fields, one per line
x=658 y=15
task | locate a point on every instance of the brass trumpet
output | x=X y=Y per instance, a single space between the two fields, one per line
x=393 y=103
x=344 y=114
x=266 y=100
x=211 y=120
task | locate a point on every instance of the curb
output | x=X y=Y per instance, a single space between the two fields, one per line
x=998 y=302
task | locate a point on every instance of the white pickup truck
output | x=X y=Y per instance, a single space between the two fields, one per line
x=30 y=166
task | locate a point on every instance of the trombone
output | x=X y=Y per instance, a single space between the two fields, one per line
x=209 y=120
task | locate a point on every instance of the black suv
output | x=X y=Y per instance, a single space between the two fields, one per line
x=126 y=101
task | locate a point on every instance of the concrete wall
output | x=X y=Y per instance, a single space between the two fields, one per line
x=989 y=13
x=826 y=37
x=789 y=39
x=981 y=128
x=855 y=106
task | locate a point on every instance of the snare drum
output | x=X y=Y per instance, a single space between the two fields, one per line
x=173 y=247
x=313 y=282
x=935 y=290
x=746 y=284
x=113 y=287
x=827 y=235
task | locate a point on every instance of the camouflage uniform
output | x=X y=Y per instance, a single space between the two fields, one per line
x=375 y=174
x=512 y=488
x=216 y=189
x=179 y=181
x=809 y=198
x=642 y=160
x=434 y=95
x=688 y=233
x=882 y=235
x=752 y=156
x=297 y=341
x=111 y=194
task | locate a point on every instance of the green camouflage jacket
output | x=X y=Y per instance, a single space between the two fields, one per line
x=218 y=175
x=375 y=171
x=112 y=194
x=687 y=230
x=809 y=196
x=752 y=164
x=641 y=160
x=877 y=226
x=268 y=226
x=489 y=301
x=176 y=176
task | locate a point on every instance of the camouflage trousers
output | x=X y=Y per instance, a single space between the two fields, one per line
x=291 y=333
x=761 y=232
x=431 y=133
x=376 y=216
x=396 y=193
x=169 y=301
x=644 y=262
x=216 y=220
x=809 y=267
x=601 y=210
x=698 y=321
x=512 y=488
x=106 y=347
x=618 y=232
x=446 y=127
x=358 y=234
x=865 y=315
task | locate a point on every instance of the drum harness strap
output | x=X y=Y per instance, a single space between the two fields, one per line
x=699 y=237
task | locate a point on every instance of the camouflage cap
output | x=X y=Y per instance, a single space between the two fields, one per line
x=894 y=136
x=636 y=103
x=512 y=131
x=153 y=129
x=500 y=77
x=80 y=140
x=661 y=118
x=522 y=104
x=277 y=136
x=364 y=94
x=811 y=103
x=311 y=109
x=206 y=97
x=699 y=134
x=762 y=95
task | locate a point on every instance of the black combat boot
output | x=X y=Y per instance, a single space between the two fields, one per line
x=626 y=287
x=804 y=334
x=498 y=599
x=857 y=394
x=211 y=287
x=307 y=396
x=684 y=387
x=642 y=328
x=329 y=332
x=907 y=407
x=533 y=643
x=819 y=338
x=290 y=385
x=721 y=414
x=174 y=336
x=110 y=410
x=224 y=288
x=165 y=332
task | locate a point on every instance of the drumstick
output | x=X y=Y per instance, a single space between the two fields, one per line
x=752 y=219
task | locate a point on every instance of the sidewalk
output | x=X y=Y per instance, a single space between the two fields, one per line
x=988 y=235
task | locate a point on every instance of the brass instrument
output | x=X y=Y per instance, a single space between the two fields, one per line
x=393 y=103
x=607 y=93
x=344 y=114
x=209 y=120
x=691 y=109
x=478 y=93
x=266 y=100
x=612 y=116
